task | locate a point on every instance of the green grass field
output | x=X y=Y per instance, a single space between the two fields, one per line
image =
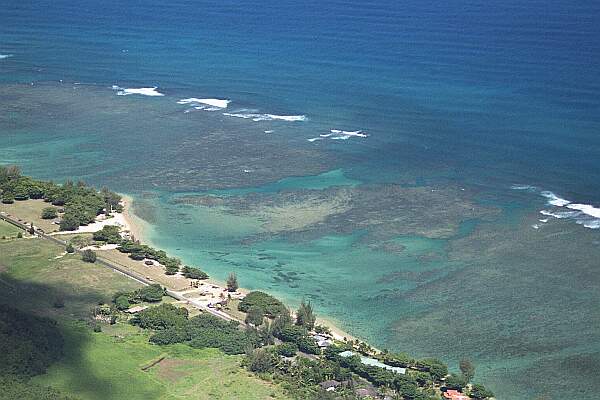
x=30 y=211
x=108 y=365
x=34 y=273
x=7 y=230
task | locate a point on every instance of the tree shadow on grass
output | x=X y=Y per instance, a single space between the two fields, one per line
x=66 y=305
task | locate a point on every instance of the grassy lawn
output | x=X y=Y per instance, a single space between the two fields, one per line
x=45 y=274
x=9 y=231
x=34 y=273
x=109 y=366
x=30 y=211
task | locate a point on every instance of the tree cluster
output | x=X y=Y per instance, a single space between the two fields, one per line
x=271 y=306
x=193 y=273
x=151 y=294
x=81 y=203
x=140 y=252
x=108 y=234
x=172 y=325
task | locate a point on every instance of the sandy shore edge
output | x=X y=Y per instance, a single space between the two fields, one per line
x=139 y=229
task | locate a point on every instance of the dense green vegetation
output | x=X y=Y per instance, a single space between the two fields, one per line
x=81 y=203
x=28 y=344
x=49 y=213
x=88 y=256
x=108 y=234
x=193 y=273
x=172 y=325
x=151 y=294
x=271 y=306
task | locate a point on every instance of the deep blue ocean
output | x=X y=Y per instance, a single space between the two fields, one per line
x=494 y=105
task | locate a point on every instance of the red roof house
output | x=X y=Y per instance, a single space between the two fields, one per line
x=455 y=395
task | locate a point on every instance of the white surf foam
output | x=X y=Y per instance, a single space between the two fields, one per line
x=267 y=117
x=314 y=139
x=560 y=214
x=216 y=104
x=554 y=199
x=3 y=56
x=586 y=209
x=582 y=214
x=147 y=91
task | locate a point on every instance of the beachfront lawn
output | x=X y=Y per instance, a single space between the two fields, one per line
x=9 y=231
x=30 y=211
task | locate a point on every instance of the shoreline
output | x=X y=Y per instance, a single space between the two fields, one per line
x=139 y=229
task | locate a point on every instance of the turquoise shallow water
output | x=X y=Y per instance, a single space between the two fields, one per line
x=425 y=236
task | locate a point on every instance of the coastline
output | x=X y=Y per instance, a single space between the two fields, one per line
x=136 y=226
x=139 y=229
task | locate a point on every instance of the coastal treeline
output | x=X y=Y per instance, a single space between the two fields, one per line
x=282 y=347
x=77 y=203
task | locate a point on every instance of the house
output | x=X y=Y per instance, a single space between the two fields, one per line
x=322 y=341
x=330 y=386
x=452 y=394
x=136 y=309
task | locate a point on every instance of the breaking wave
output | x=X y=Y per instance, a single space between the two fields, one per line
x=3 y=56
x=265 y=117
x=583 y=214
x=206 y=104
x=338 y=134
x=147 y=91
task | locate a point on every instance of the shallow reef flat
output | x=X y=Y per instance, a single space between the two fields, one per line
x=383 y=212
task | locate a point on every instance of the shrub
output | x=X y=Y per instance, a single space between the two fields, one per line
x=455 y=381
x=299 y=335
x=163 y=316
x=194 y=273
x=479 y=392
x=122 y=302
x=322 y=330
x=8 y=198
x=69 y=222
x=255 y=316
x=20 y=235
x=150 y=293
x=88 y=256
x=286 y=349
x=108 y=234
x=260 y=361
x=70 y=249
x=49 y=213
x=268 y=303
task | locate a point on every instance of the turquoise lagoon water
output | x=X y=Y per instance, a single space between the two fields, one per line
x=415 y=224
